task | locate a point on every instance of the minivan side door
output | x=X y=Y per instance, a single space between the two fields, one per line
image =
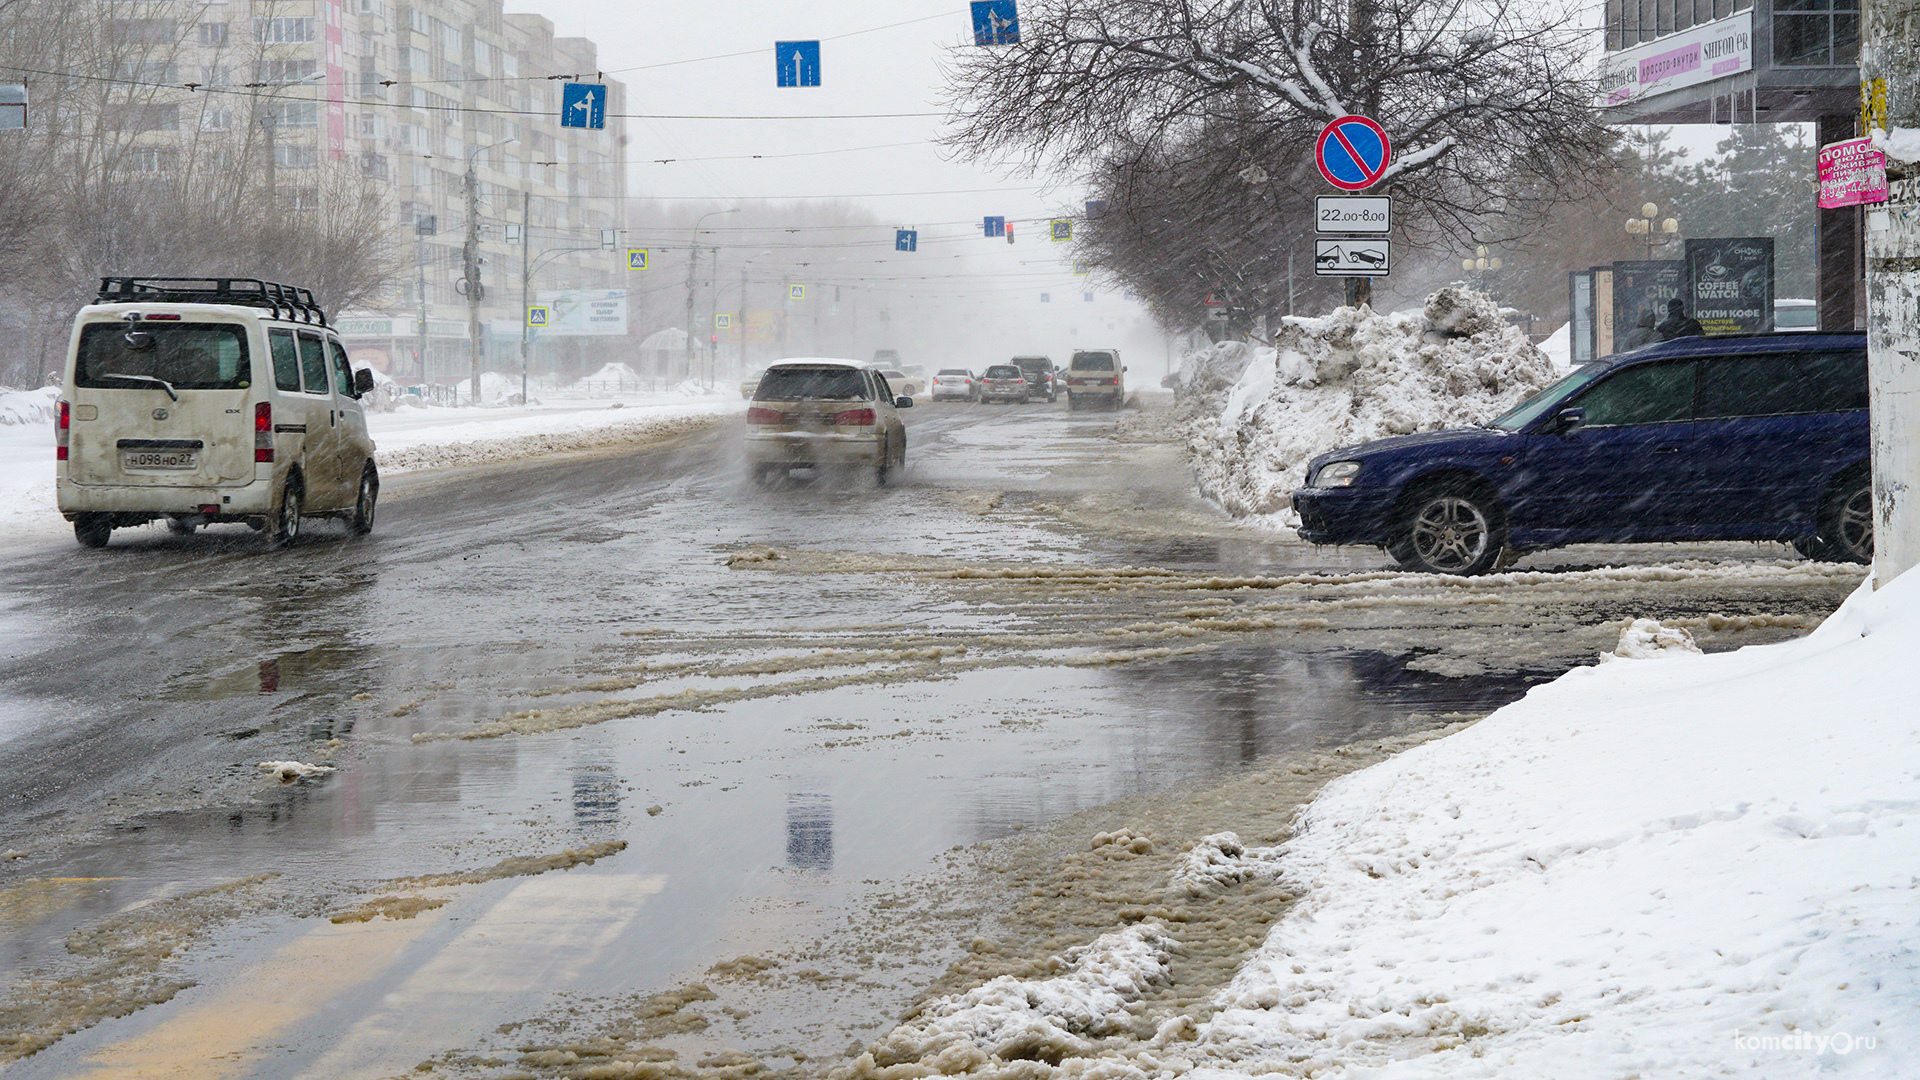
x=1626 y=472
x=321 y=460
x=1772 y=430
x=356 y=446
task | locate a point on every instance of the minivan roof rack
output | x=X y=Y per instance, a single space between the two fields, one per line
x=285 y=301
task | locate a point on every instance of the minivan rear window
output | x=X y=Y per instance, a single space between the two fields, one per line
x=1093 y=361
x=811 y=383
x=184 y=355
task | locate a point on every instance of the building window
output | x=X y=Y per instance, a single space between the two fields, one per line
x=141 y=31
x=284 y=71
x=1630 y=22
x=294 y=114
x=294 y=156
x=149 y=160
x=215 y=118
x=213 y=34
x=146 y=71
x=278 y=31
x=1816 y=33
x=216 y=77
x=374 y=165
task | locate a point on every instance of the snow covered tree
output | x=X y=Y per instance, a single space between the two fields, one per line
x=1487 y=104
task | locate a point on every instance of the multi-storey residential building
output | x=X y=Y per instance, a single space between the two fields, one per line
x=412 y=95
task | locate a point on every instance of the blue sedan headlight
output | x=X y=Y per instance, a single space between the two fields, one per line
x=1336 y=474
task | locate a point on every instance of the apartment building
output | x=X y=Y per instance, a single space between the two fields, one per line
x=410 y=94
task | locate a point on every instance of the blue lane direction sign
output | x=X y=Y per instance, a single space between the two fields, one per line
x=796 y=63
x=995 y=226
x=995 y=22
x=583 y=105
x=906 y=239
x=1370 y=257
x=1096 y=207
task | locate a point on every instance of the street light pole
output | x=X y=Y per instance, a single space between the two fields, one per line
x=693 y=261
x=526 y=275
x=470 y=252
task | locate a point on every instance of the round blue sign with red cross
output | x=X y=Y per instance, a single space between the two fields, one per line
x=1352 y=152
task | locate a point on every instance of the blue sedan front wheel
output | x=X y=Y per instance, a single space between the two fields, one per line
x=1448 y=531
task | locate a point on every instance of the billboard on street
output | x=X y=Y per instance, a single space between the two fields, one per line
x=584 y=312
x=1730 y=284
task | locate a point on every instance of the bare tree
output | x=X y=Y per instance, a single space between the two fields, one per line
x=1491 y=119
x=145 y=155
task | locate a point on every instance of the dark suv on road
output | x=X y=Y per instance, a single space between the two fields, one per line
x=1734 y=438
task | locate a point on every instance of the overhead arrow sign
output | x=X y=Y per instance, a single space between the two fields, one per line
x=906 y=239
x=995 y=22
x=995 y=226
x=796 y=63
x=583 y=105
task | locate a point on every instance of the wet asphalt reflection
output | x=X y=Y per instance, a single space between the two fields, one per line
x=154 y=676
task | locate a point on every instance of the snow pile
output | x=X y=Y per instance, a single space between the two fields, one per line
x=1219 y=862
x=288 y=771
x=29 y=407
x=495 y=389
x=1703 y=866
x=1029 y=1019
x=1900 y=144
x=1348 y=378
x=1647 y=638
x=610 y=376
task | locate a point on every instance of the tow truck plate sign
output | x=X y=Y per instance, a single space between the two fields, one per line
x=1353 y=213
x=1371 y=257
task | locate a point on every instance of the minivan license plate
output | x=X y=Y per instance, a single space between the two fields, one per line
x=158 y=459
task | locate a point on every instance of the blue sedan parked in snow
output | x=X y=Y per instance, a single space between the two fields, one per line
x=1760 y=437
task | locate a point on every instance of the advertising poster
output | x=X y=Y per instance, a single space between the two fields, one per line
x=1640 y=289
x=1730 y=284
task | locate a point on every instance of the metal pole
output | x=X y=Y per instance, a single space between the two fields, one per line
x=693 y=258
x=740 y=325
x=526 y=277
x=470 y=253
x=713 y=305
x=420 y=260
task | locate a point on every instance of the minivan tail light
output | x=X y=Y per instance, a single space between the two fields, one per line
x=855 y=418
x=62 y=429
x=765 y=416
x=263 y=431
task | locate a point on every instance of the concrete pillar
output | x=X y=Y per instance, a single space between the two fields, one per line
x=1890 y=51
x=1837 y=246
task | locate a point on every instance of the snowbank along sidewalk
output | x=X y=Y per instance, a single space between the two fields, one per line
x=1258 y=415
x=1667 y=864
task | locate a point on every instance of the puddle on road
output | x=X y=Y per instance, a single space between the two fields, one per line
x=772 y=816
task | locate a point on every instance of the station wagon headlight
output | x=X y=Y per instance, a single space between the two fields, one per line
x=1336 y=474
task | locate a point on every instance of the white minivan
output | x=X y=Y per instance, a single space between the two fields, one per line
x=210 y=400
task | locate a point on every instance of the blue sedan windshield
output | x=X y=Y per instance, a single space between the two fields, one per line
x=1529 y=410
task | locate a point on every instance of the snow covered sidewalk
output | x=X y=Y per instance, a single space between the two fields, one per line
x=1665 y=865
x=407 y=438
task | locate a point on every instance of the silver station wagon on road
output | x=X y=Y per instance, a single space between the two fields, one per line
x=820 y=413
x=210 y=400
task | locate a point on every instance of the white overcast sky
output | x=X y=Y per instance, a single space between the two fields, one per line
x=877 y=56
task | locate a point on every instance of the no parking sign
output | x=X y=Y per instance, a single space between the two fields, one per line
x=1352 y=152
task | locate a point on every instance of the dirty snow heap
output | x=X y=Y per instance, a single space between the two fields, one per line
x=1258 y=415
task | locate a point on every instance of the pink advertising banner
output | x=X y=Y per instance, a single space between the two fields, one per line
x=1852 y=173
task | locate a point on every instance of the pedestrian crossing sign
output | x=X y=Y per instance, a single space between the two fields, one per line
x=537 y=314
x=637 y=259
x=796 y=292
